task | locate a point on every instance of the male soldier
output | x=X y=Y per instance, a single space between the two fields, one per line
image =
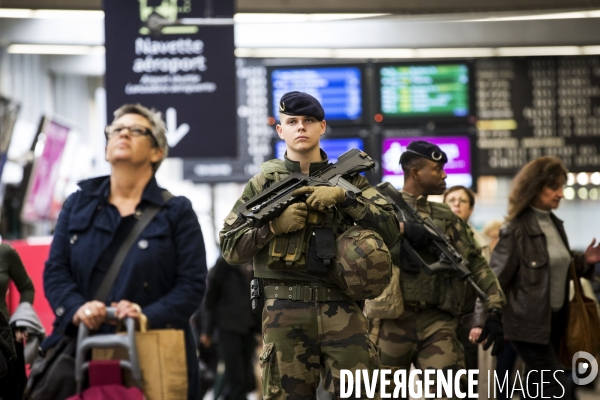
x=317 y=330
x=424 y=334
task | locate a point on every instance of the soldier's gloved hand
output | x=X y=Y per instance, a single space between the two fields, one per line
x=321 y=197
x=417 y=234
x=292 y=219
x=493 y=331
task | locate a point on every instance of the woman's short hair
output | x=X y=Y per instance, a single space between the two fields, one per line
x=530 y=181
x=159 y=129
x=468 y=191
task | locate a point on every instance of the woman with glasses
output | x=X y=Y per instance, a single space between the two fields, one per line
x=163 y=274
x=462 y=202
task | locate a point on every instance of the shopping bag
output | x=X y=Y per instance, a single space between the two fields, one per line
x=583 y=327
x=161 y=354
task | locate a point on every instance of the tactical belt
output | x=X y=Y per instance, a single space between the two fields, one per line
x=416 y=306
x=309 y=294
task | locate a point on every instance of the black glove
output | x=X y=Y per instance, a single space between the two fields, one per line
x=493 y=330
x=417 y=235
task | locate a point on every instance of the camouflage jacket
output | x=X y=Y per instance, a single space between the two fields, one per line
x=443 y=289
x=372 y=211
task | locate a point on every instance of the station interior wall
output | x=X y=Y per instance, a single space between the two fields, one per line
x=44 y=87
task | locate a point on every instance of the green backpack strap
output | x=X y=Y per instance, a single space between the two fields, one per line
x=273 y=171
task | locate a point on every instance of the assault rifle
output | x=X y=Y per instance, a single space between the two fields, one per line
x=449 y=258
x=271 y=202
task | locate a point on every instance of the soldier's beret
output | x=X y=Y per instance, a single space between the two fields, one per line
x=299 y=103
x=427 y=150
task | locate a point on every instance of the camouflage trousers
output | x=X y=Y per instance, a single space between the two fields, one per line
x=425 y=338
x=306 y=342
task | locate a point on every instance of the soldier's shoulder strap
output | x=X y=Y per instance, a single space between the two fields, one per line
x=272 y=171
x=441 y=211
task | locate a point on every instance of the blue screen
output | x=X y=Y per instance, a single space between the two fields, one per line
x=333 y=147
x=338 y=89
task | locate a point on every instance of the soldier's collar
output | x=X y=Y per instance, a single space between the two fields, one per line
x=294 y=166
x=419 y=201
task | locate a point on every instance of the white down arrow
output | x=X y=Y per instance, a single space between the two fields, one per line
x=175 y=133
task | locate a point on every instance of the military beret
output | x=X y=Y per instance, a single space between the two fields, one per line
x=426 y=150
x=299 y=103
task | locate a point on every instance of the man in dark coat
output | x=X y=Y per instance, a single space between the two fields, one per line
x=227 y=309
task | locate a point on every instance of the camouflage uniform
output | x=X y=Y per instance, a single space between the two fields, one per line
x=305 y=341
x=424 y=334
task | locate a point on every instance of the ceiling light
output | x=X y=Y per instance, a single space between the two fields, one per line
x=284 y=53
x=54 y=49
x=259 y=18
x=538 y=51
x=51 y=14
x=374 y=53
x=595 y=178
x=569 y=193
x=594 y=194
x=582 y=193
x=587 y=50
x=570 y=179
x=582 y=178
x=455 y=52
x=531 y=17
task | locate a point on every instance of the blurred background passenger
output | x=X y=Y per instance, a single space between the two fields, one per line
x=492 y=230
x=532 y=260
x=163 y=274
x=12 y=269
x=228 y=311
x=462 y=203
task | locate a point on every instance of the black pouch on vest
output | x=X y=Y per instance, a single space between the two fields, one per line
x=407 y=264
x=321 y=249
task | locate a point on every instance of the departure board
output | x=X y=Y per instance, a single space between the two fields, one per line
x=413 y=91
x=538 y=106
x=338 y=89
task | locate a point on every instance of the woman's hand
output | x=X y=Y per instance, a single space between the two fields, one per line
x=92 y=314
x=125 y=308
x=205 y=340
x=592 y=253
x=474 y=335
x=21 y=335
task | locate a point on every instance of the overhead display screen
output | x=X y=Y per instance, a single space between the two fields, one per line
x=333 y=147
x=413 y=91
x=338 y=89
x=457 y=148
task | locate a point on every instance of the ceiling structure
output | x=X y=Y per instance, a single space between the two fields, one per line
x=403 y=29
x=405 y=7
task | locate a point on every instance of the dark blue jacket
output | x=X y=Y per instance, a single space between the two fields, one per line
x=164 y=275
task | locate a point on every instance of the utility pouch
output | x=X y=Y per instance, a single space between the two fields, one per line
x=321 y=250
x=452 y=295
x=256 y=295
x=287 y=252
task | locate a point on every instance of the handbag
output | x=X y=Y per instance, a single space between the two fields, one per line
x=162 y=359
x=583 y=326
x=53 y=376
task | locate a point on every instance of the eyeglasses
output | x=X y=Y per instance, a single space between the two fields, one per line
x=456 y=200
x=134 y=130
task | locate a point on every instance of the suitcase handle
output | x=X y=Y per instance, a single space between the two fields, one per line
x=85 y=343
